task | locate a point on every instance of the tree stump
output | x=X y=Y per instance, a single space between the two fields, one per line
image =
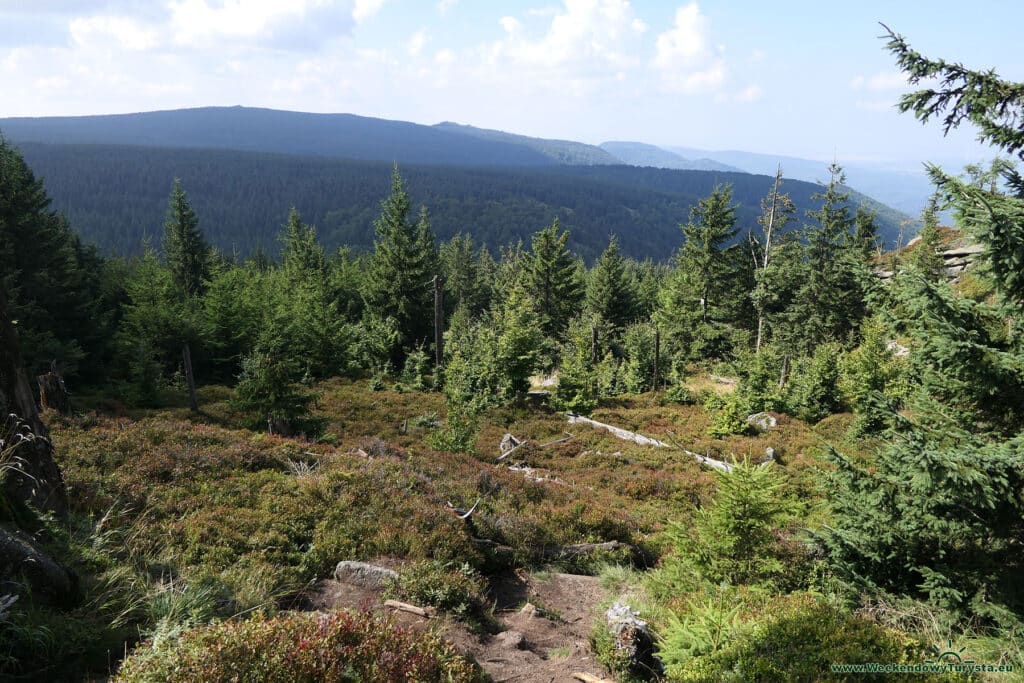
x=53 y=394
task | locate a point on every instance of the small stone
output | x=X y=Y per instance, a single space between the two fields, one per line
x=364 y=574
x=529 y=610
x=511 y=640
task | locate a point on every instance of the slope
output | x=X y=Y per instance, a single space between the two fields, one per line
x=115 y=196
x=269 y=130
x=559 y=151
x=642 y=154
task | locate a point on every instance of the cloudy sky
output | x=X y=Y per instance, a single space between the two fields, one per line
x=803 y=78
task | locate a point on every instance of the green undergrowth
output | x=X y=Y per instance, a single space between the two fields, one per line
x=180 y=519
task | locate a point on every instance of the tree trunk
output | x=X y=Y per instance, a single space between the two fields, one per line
x=657 y=357
x=186 y=357
x=438 y=323
x=53 y=395
x=33 y=476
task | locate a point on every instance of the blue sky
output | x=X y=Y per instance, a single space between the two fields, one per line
x=806 y=79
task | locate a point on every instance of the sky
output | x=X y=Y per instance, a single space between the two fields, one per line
x=802 y=78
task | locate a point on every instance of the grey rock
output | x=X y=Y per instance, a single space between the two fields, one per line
x=364 y=574
x=762 y=422
x=511 y=640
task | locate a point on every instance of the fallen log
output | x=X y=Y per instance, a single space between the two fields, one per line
x=512 y=450
x=627 y=435
x=406 y=607
x=589 y=678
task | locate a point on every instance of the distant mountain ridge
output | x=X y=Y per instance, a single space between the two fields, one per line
x=642 y=154
x=565 y=152
x=269 y=130
x=116 y=196
x=904 y=191
x=111 y=175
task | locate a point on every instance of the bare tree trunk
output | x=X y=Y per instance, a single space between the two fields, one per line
x=766 y=258
x=36 y=478
x=53 y=394
x=438 y=323
x=186 y=357
x=657 y=357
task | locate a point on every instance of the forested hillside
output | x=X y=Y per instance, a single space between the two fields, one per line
x=270 y=130
x=115 y=197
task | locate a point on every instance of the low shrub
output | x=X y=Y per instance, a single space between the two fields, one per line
x=458 y=589
x=294 y=648
x=800 y=642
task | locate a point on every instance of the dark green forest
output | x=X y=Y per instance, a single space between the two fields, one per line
x=115 y=197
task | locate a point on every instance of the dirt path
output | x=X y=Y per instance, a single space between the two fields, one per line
x=545 y=622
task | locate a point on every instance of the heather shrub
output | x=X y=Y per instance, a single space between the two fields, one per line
x=444 y=585
x=297 y=648
x=798 y=642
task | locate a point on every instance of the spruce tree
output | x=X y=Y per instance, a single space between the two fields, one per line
x=925 y=257
x=696 y=303
x=186 y=251
x=610 y=292
x=830 y=302
x=551 y=278
x=404 y=262
x=56 y=286
x=937 y=515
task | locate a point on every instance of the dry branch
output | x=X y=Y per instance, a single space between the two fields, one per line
x=406 y=607
x=589 y=678
x=556 y=441
x=464 y=514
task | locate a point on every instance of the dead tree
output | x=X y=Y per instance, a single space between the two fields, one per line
x=53 y=394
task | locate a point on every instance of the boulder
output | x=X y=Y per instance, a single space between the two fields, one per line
x=364 y=574
x=762 y=422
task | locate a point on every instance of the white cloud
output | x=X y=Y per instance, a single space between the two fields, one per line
x=298 y=24
x=588 y=35
x=364 y=9
x=880 y=82
x=444 y=5
x=752 y=93
x=684 y=56
x=122 y=31
x=415 y=45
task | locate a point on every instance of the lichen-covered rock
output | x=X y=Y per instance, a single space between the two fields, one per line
x=762 y=422
x=364 y=574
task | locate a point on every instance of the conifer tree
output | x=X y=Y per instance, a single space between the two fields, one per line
x=404 y=262
x=937 y=516
x=610 y=292
x=55 y=285
x=925 y=257
x=187 y=253
x=830 y=302
x=551 y=278
x=695 y=304
x=461 y=268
